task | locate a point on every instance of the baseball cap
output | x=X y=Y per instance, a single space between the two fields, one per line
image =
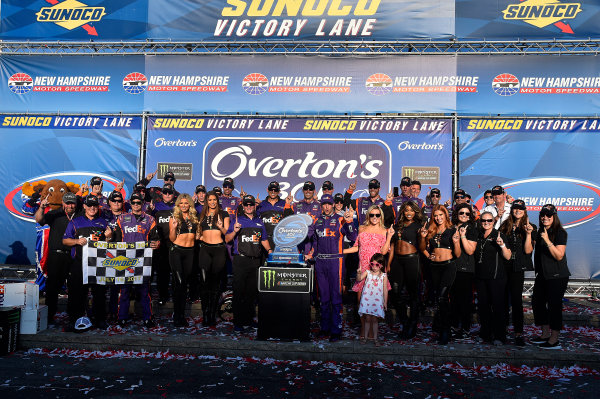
x=309 y=185
x=96 y=181
x=139 y=187
x=115 y=195
x=338 y=198
x=169 y=175
x=547 y=210
x=518 y=204
x=69 y=198
x=249 y=200
x=405 y=181
x=217 y=190
x=435 y=191
x=326 y=199
x=228 y=182
x=497 y=190
x=83 y=324
x=200 y=189
x=168 y=189
x=327 y=185
x=374 y=183
x=273 y=186
x=91 y=200
x=460 y=191
x=136 y=197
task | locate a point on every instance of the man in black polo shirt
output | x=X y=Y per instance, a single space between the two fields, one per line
x=59 y=255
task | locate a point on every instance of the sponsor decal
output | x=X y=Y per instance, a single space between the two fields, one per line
x=257 y=83
x=13 y=201
x=293 y=161
x=182 y=171
x=407 y=145
x=284 y=280
x=535 y=125
x=250 y=18
x=188 y=83
x=65 y=121
x=71 y=14
x=135 y=83
x=541 y=13
x=507 y=84
x=380 y=84
x=424 y=174
x=21 y=83
x=577 y=201
x=269 y=278
x=120 y=263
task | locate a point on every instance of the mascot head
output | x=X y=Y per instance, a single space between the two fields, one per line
x=53 y=189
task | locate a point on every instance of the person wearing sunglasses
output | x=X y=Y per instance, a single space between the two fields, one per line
x=551 y=278
x=363 y=204
x=488 y=198
x=155 y=193
x=134 y=227
x=491 y=253
x=440 y=243
x=327 y=188
x=461 y=294
x=116 y=206
x=433 y=198
x=500 y=209
x=228 y=201
x=249 y=236
x=406 y=194
x=522 y=236
x=271 y=210
x=161 y=268
x=404 y=268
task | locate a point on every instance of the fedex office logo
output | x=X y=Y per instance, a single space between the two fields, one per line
x=293 y=161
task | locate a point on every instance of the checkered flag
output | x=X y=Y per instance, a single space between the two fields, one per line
x=117 y=263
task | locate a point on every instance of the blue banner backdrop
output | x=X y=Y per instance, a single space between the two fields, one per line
x=256 y=151
x=541 y=161
x=69 y=148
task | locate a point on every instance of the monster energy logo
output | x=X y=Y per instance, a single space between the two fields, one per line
x=164 y=168
x=269 y=278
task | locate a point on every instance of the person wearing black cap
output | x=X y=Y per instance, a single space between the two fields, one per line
x=228 y=201
x=199 y=196
x=116 y=208
x=249 y=236
x=81 y=230
x=271 y=210
x=134 y=227
x=500 y=208
x=217 y=190
x=95 y=189
x=361 y=205
x=434 y=196
x=161 y=211
x=327 y=188
x=551 y=278
x=521 y=236
x=59 y=259
x=308 y=205
x=326 y=238
x=405 y=196
x=155 y=193
x=141 y=189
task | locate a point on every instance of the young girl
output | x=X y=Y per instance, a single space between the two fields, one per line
x=373 y=302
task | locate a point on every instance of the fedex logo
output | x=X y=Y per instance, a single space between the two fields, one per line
x=327 y=232
x=254 y=238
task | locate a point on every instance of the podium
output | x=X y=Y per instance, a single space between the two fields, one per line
x=284 y=302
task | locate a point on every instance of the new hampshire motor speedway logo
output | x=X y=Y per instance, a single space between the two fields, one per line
x=135 y=83
x=541 y=13
x=13 y=201
x=255 y=84
x=380 y=84
x=577 y=201
x=71 y=14
x=507 y=84
x=22 y=83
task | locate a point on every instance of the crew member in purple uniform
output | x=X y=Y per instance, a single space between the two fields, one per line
x=95 y=189
x=406 y=194
x=228 y=201
x=309 y=205
x=271 y=210
x=155 y=193
x=81 y=230
x=200 y=194
x=361 y=205
x=160 y=257
x=116 y=205
x=134 y=227
x=434 y=198
x=326 y=235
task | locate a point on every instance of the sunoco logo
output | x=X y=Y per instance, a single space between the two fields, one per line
x=120 y=263
x=541 y=13
x=135 y=83
x=379 y=84
x=20 y=83
x=71 y=14
x=506 y=84
x=269 y=278
x=577 y=201
x=255 y=83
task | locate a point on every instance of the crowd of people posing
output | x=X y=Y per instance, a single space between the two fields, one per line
x=399 y=252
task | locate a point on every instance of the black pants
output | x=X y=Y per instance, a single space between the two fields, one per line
x=405 y=271
x=546 y=301
x=442 y=278
x=491 y=302
x=461 y=300
x=211 y=262
x=514 y=297
x=162 y=269
x=245 y=289
x=181 y=259
x=57 y=269
x=78 y=299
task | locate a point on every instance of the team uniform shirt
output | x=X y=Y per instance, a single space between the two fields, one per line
x=493 y=209
x=248 y=239
x=489 y=262
x=312 y=208
x=198 y=206
x=155 y=193
x=81 y=226
x=58 y=221
x=466 y=263
x=162 y=215
x=230 y=205
x=271 y=214
x=134 y=228
x=111 y=218
x=327 y=233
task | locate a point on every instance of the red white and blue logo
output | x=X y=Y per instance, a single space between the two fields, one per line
x=379 y=84
x=20 y=83
x=506 y=85
x=135 y=83
x=255 y=84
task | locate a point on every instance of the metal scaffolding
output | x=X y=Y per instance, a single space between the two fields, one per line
x=324 y=48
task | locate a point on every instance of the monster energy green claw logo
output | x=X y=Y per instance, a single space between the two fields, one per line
x=269 y=278
x=164 y=168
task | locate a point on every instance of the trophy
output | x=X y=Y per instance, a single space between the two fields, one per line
x=288 y=233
